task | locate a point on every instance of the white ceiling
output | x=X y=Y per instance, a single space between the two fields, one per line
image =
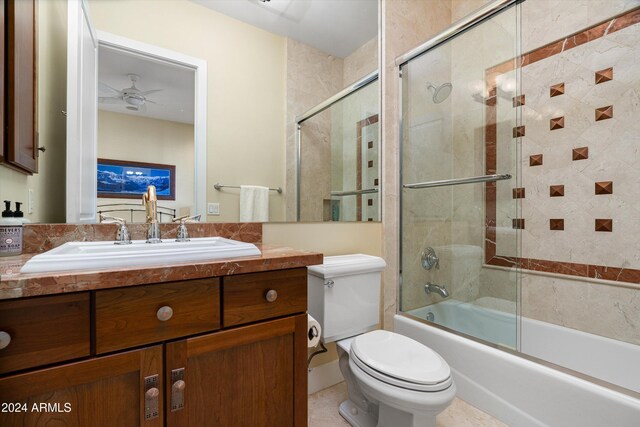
x=337 y=27
x=176 y=100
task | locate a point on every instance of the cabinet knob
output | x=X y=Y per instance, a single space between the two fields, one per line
x=5 y=339
x=152 y=393
x=164 y=313
x=271 y=295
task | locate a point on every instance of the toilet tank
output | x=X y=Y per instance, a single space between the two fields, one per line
x=344 y=295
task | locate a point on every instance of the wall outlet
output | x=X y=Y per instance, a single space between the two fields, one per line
x=213 y=208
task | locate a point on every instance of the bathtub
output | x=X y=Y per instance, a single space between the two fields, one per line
x=519 y=391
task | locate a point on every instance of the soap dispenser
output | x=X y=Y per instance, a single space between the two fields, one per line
x=10 y=232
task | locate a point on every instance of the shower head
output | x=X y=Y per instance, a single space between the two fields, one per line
x=441 y=92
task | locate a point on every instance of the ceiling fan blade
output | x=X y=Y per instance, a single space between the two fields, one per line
x=108 y=89
x=147 y=92
x=109 y=100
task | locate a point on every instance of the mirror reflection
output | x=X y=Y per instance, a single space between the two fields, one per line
x=266 y=64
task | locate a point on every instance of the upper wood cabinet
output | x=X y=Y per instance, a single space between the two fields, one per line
x=19 y=79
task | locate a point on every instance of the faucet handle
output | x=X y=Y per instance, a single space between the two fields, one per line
x=187 y=219
x=107 y=219
x=183 y=233
x=429 y=259
x=123 y=237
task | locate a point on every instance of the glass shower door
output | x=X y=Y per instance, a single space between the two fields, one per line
x=460 y=192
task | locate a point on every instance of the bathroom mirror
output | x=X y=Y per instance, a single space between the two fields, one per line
x=267 y=63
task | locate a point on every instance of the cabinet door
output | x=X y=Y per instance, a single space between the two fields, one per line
x=104 y=392
x=3 y=19
x=253 y=376
x=22 y=147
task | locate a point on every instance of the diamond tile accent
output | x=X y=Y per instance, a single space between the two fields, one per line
x=370 y=202
x=604 y=75
x=581 y=153
x=556 y=191
x=604 y=187
x=370 y=164
x=518 y=131
x=556 y=123
x=370 y=144
x=535 y=160
x=517 y=223
x=604 y=113
x=604 y=224
x=518 y=193
x=370 y=219
x=518 y=101
x=375 y=181
x=556 y=90
x=556 y=224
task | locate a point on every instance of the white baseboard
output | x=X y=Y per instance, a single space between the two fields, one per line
x=324 y=376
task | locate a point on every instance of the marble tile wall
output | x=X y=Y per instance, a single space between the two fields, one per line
x=312 y=77
x=580 y=165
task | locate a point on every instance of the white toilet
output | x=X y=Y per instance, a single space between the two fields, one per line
x=392 y=380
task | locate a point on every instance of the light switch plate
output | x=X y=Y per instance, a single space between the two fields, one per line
x=213 y=208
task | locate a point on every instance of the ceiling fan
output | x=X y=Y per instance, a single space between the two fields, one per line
x=133 y=98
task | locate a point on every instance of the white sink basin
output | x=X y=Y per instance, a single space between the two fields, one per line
x=101 y=255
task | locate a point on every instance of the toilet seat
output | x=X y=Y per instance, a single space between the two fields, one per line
x=400 y=361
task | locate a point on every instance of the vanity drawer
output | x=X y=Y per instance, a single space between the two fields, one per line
x=257 y=296
x=128 y=317
x=44 y=330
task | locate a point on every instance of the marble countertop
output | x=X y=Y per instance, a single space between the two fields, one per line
x=13 y=284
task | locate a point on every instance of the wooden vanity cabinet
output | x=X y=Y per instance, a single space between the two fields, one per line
x=103 y=392
x=190 y=369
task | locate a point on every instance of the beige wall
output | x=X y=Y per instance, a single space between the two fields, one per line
x=48 y=184
x=133 y=138
x=246 y=89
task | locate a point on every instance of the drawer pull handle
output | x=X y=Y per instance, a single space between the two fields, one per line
x=164 y=313
x=5 y=339
x=272 y=295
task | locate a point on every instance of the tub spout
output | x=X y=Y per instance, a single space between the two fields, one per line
x=440 y=290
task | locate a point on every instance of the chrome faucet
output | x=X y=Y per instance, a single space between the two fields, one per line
x=440 y=290
x=150 y=202
x=183 y=233
x=123 y=237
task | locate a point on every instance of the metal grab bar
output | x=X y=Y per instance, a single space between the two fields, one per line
x=354 y=192
x=218 y=186
x=458 y=181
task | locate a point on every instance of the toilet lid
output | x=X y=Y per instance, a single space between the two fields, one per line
x=400 y=357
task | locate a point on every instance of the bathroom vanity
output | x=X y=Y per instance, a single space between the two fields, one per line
x=217 y=343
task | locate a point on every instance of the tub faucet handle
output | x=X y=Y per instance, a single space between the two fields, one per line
x=429 y=259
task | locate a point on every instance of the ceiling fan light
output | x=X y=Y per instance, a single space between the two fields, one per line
x=134 y=99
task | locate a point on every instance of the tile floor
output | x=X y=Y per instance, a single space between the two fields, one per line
x=323 y=411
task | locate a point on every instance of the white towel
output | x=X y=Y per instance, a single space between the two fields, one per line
x=254 y=203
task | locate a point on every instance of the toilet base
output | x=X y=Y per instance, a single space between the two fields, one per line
x=356 y=416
